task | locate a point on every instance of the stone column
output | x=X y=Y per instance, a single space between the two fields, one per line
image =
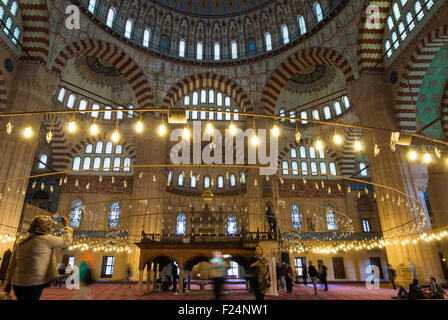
x=373 y=103
x=32 y=91
x=181 y=280
x=148 y=277
x=151 y=276
x=140 y=282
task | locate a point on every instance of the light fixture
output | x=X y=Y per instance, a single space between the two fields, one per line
x=162 y=128
x=275 y=130
x=186 y=133
x=94 y=129
x=319 y=144
x=72 y=126
x=139 y=126
x=9 y=127
x=28 y=132
x=427 y=157
x=412 y=155
x=115 y=136
x=232 y=128
x=255 y=140
x=358 y=145
x=49 y=136
x=209 y=128
x=337 y=139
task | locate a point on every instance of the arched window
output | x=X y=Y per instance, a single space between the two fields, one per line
x=304 y=168
x=211 y=115
x=236 y=116
x=429 y=4
x=312 y=153
x=346 y=102
x=327 y=112
x=130 y=112
x=120 y=113
x=292 y=114
x=295 y=168
x=86 y=164
x=321 y=154
x=243 y=178
x=293 y=153
x=296 y=217
x=332 y=166
x=220 y=182
x=194 y=115
x=89 y=148
x=419 y=10
x=203 y=114
x=164 y=43
x=314 y=168
x=170 y=175
x=61 y=95
x=316 y=115
x=43 y=161
x=15 y=7
x=128 y=29
x=285 y=34
x=228 y=115
x=331 y=218
x=95 y=114
x=251 y=45
x=99 y=147
x=219 y=99
x=92 y=4
x=114 y=214
x=108 y=114
x=395 y=42
x=193 y=182
x=302 y=25
x=76 y=163
x=207 y=182
x=97 y=163
x=227 y=102
x=195 y=98
x=304 y=115
x=82 y=105
x=180 y=180
x=16 y=35
x=232 y=180
x=390 y=22
x=337 y=108
x=318 y=11
x=181 y=225
x=410 y=21
x=2 y=13
x=106 y=164
x=396 y=11
x=127 y=164
x=118 y=149
x=217 y=51
x=199 y=49
x=323 y=167
x=117 y=164
x=362 y=169
x=203 y=96
x=76 y=214
x=302 y=151
x=234 y=48
x=285 y=166
x=110 y=17
x=403 y=2
x=182 y=48
x=282 y=114
x=268 y=41
x=387 y=48
x=402 y=31
x=211 y=96
x=231 y=225
x=146 y=37
x=71 y=101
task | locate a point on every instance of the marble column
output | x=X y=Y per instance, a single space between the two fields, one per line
x=140 y=282
x=373 y=102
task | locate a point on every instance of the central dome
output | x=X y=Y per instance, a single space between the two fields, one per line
x=212 y=7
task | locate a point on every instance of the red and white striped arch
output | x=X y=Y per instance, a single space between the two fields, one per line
x=348 y=152
x=36 y=29
x=112 y=54
x=293 y=64
x=370 y=37
x=416 y=70
x=208 y=80
x=3 y=93
x=59 y=146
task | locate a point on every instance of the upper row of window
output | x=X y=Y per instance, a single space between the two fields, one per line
x=8 y=14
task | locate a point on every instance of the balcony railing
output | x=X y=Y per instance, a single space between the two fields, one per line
x=331 y=236
x=208 y=238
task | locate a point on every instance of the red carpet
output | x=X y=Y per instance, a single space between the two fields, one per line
x=234 y=292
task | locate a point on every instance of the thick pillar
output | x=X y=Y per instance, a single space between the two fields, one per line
x=32 y=90
x=140 y=282
x=154 y=277
x=373 y=101
x=148 y=276
x=181 y=280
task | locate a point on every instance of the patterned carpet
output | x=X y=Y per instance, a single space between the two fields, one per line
x=233 y=292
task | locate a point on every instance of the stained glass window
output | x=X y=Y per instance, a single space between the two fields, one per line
x=43 y=161
x=128 y=29
x=327 y=112
x=362 y=168
x=331 y=218
x=293 y=153
x=268 y=41
x=285 y=166
x=127 y=164
x=409 y=20
x=114 y=214
x=304 y=168
x=217 y=51
x=296 y=217
x=181 y=225
x=180 y=180
x=332 y=166
x=86 y=164
x=76 y=214
x=207 y=182
x=199 y=51
x=396 y=11
x=146 y=37
x=302 y=25
x=234 y=47
x=323 y=167
x=295 y=168
x=76 y=163
x=337 y=108
x=285 y=34
x=419 y=10
x=117 y=164
x=232 y=180
x=110 y=17
x=220 y=182
x=82 y=105
x=318 y=11
x=61 y=92
x=231 y=225
x=193 y=182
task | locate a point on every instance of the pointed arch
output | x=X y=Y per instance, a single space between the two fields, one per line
x=59 y=146
x=115 y=56
x=3 y=93
x=208 y=81
x=293 y=64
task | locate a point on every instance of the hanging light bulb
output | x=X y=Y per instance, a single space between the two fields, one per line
x=319 y=144
x=358 y=145
x=275 y=130
x=255 y=140
x=72 y=126
x=162 y=128
x=232 y=128
x=28 y=132
x=437 y=152
x=427 y=157
x=186 y=133
x=49 y=136
x=115 y=136
x=412 y=155
x=376 y=150
x=94 y=129
x=298 y=136
x=139 y=126
x=337 y=138
x=9 y=127
x=209 y=128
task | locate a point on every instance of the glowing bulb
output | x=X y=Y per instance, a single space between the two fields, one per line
x=427 y=157
x=94 y=129
x=49 y=136
x=162 y=130
x=115 y=136
x=319 y=145
x=72 y=126
x=255 y=140
x=139 y=126
x=337 y=139
x=275 y=131
x=232 y=128
x=358 y=145
x=186 y=133
x=9 y=127
x=209 y=128
x=412 y=155
x=28 y=132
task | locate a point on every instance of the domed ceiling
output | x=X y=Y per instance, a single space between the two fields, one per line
x=212 y=7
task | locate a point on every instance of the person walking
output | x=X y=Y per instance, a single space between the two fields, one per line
x=323 y=274
x=33 y=262
x=392 y=275
x=174 y=275
x=128 y=275
x=312 y=271
x=217 y=273
x=288 y=278
x=304 y=276
x=4 y=266
x=259 y=279
x=85 y=278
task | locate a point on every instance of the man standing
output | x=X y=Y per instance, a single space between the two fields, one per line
x=174 y=275
x=313 y=275
x=323 y=274
x=392 y=275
